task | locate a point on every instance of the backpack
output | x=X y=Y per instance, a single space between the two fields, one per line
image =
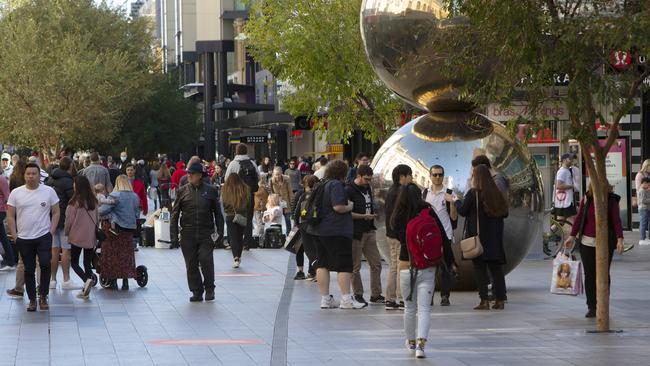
x=314 y=206
x=424 y=239
x=248 y=174
x=303 y=205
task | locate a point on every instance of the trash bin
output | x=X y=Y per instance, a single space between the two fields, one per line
x=161 y=231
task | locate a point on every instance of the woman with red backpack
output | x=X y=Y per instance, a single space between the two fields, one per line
x=413 y=219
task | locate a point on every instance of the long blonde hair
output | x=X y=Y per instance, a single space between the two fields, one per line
x=235 y=192
x=646 y=166
x=164 y=172
x=122 y=183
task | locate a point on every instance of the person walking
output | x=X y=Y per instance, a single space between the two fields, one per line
x=153 y=185
x=587 y=214
x=61 y=181
x=164 y=180
x=17 y=179
x=295 y=178
x=9 y=258
x=245 y=167
x=281 y=186
x=441 y=200
x=417 y=285
x=97 y=173
x=118 y=258
x=362 y=158
x=80 y=223
x=140 y=189
x=266 y=167
x=198 y=209
x=364 y=239
x=236 y=199
x=563 y=205
x=334 y=238
x=402 y=176
x=492 y=209
x=32 y=218
x=643 y=195
x=308 y=246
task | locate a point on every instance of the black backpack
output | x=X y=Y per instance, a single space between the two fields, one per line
x=248 y=174
x=314 y=206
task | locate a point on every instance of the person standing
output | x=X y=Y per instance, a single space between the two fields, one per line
x=245 y=167
x=198 y=210
x=6 y=165
x=308 y=245
x=140 y=189
x=97 y=173
x=362 y=159
x=492 y=209
x=61 y=181
x=266 y=167
x=364 y=239
x=441 y=201
x=564 y=207
x=281 y=186
x=32 y=218
x=80 y=223
x=402 y=176
x=295 y=178
x=9 y=258
x=164 y=180
x=236 y=199
x=643 y=195
x=153 y=187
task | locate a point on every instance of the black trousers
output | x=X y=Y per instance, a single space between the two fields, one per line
x=588 y=256
x=29 y=249
x=481 y=269
x=308 y=247
x=444 y=285
x=248 y=232
x=197 y=250
x=236 y=234
x=75 y=253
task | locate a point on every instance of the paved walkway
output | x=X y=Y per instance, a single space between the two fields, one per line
x=248 y=324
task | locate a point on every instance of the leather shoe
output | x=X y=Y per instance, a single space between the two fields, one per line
x=32 y=305
x=484 y=305
x=591 y=313
x=498 y=305
x=196 y=297
x=42 y=303
x=209 y=295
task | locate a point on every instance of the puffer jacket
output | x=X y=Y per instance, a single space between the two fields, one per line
x=62 y=183
x=200 y=209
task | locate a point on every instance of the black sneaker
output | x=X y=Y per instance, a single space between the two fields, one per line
x=377 y=299
x=196 y=296
x=359 y=298
x=591 y=313
x=444 y=301
x=401 y=304
x=300 y=275
x=391 y=305
x=209 y=295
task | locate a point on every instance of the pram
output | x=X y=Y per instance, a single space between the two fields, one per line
x=273 y=237
x=142 y=275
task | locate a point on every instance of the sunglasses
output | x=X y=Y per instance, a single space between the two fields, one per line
x=437 y=175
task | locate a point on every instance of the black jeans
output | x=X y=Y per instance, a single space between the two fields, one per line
x=197 y=250
x=445 y=280
x=9 y=259
x=75 y=253
x=481 y=269
x=29 y=249
x=588 y=256
x=235 y=236
x=308 y=247
x=248 y=232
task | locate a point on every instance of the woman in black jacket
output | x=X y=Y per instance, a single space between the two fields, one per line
x=492 y=209
x=308 y=246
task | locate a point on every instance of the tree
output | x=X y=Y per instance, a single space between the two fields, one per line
x=163 y=122
x=316 y=47
x=70 y=69
x=516 y=48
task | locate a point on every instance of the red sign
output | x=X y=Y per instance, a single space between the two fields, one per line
x=620 y=60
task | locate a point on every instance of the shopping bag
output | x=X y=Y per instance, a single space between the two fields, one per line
x=567 y=276
x=293 y=242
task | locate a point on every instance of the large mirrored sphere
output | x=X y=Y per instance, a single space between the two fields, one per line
x=452 y=140
x=400 y=38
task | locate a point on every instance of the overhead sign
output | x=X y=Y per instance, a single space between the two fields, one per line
x=254 y=139
x=549 y=112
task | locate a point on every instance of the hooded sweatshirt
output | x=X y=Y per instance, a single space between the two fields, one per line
x=61 y=181
x=178 y=174
x=233 y=167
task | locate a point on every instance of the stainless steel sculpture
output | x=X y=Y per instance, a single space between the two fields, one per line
x=400 y=38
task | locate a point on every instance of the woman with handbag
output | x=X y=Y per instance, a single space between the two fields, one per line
x=281 y=185
x=484 y=208
x=417 y=285
x=80 y=228
x=585 y=227
x=235 y=196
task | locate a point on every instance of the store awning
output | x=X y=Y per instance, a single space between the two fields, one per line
x=263 y=119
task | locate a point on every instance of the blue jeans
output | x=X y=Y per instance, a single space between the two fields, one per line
x=420 y=302
x=9 y=259
x=645 y=222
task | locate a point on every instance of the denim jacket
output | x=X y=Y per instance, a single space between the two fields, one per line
x=125 y=211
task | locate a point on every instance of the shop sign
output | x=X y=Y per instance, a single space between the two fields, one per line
x=620 y=60
x=549 y=112
x=335 y=148
x=254 y=139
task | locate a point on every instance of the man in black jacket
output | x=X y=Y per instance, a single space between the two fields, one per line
x=199 y=205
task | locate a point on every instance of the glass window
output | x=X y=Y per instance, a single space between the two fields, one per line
x=240 y=5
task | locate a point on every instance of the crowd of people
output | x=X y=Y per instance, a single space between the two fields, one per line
x=56 y=212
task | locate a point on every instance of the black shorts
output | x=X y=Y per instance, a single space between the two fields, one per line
x=566 y=211
x=334 y=253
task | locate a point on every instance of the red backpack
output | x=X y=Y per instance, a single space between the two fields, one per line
x=424 y=240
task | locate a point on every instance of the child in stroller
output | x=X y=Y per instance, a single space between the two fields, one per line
x=272 y=217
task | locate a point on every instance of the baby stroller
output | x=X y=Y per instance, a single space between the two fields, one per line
x=142 y=276
x=273 y=237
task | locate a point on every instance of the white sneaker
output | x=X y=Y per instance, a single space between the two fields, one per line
x=410 y=346
x=419 y=348
x=236 y=263
x=87 y=286
x=328 y=302
x=7 y=268
x=644 y=242
x=349 y=302
x=53 y=284
x=70 y=285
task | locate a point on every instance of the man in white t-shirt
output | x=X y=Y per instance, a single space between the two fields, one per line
x=563 y=205
x=32 y=218
x=441 y=201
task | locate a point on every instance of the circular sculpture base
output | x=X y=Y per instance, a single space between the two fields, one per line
x=452 y=140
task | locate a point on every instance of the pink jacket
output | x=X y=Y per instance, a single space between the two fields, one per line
x=80 y=226
x=4 y=193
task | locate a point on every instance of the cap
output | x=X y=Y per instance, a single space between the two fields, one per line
x=566 y=156
x=195 y=168
x=6 y=156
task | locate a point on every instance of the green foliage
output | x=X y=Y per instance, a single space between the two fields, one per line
x=163 y=122
x=315 y=45
x=70 y=69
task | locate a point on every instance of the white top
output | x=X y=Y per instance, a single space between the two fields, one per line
x=33 y=208
x=577 y=178
x=272 y=216
x=437 y=201
x=563 y=198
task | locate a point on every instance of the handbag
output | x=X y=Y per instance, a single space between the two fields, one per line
x=99 y=233
x=240 y=219
x=471 y=247
x=566 y=278
x=293 y=243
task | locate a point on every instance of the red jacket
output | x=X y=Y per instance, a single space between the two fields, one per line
x=178 y=174
x=141 y=192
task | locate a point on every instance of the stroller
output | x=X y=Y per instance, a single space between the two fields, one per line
x=142 y=276
x=273 y=237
